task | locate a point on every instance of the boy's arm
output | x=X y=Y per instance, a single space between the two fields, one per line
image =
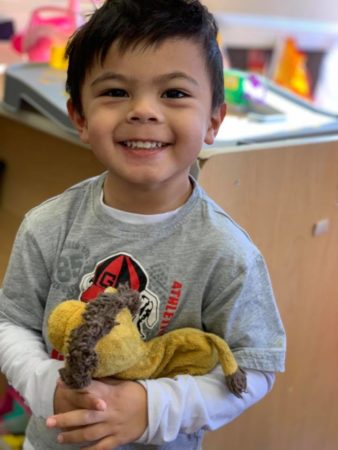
x=28 y=367
x=246 y=314
x=188 y=404
x=185 y=404
x=23 y=355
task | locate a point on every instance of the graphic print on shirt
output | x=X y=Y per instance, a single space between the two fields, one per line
x=122 y=268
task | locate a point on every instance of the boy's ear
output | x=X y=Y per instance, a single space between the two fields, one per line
x=216 y=120
x=79 y=121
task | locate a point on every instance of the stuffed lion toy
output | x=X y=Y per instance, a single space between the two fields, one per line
x=99 y=339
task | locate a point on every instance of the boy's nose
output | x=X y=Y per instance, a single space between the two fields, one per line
x=143 y=112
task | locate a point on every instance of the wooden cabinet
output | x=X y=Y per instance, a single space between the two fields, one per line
x=278 y=195
x=38 y=166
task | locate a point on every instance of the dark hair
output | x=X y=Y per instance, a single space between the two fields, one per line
x=133 y=22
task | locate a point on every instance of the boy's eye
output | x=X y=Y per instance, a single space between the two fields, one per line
x=174 y=93
x=115 y=92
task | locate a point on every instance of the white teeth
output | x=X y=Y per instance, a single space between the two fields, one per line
x=143 y=144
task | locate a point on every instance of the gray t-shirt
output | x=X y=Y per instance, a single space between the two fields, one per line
x=196 y=269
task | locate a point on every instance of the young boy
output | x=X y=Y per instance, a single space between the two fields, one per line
x=146 y=93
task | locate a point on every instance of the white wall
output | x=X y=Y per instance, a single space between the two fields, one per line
x=304 y=9
x=323 y=10
x=19 y=10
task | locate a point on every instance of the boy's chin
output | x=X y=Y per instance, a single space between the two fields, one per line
x=152 y=178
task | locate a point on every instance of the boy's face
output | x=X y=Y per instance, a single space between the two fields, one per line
x=147 y=114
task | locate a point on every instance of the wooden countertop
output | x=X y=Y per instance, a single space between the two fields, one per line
x=37 y=121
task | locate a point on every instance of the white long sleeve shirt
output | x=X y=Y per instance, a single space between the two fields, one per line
x=183 y=404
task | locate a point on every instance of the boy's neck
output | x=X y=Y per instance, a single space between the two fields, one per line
x=145 y=200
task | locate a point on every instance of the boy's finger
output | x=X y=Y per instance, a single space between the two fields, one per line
x=77 y=418
x=91 y=402
x=84 y=434
x=86 y=400
x=110 y=442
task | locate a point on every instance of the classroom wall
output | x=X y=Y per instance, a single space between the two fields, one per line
x=304 y=9
x=326 y=10
x=20 y=9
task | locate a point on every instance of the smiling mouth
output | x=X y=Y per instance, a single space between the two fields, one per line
x=144 y=145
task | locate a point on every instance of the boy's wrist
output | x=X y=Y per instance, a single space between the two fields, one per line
x=42 y=405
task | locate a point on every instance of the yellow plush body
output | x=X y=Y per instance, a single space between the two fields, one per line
x=123 y=354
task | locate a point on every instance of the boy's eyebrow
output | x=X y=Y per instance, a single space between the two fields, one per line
x=106 y=76
x=111 y=76
x=175 y=75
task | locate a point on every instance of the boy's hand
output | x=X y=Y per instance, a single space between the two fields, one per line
x=66 y=399
x=108 y=413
